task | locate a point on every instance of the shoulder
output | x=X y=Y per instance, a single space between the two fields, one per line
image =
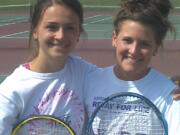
x=160 y=78
x=76 y=60
x=19 y=79
x=10 y=86
x=15 y=74
x=160 y=84
x=100 y=76
x=102 y=72
x=77 y=63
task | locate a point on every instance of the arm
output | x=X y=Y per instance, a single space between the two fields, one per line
x=176 y=94
x=173 y=118
x=8 y=113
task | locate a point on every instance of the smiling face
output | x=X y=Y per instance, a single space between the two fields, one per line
x=57 y=33
x=135 y=45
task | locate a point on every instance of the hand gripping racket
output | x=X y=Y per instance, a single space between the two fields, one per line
x=42 y=125
x=127 y=114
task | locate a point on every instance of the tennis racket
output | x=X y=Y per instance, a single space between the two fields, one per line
x=127 y=114
x=42 y=125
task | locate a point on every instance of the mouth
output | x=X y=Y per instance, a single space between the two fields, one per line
x=133 y=60
x=58 y=45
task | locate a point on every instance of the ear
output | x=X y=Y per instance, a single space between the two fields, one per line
x=35 y=35
x=79 y=36
x=114 y=38
x=156 y=50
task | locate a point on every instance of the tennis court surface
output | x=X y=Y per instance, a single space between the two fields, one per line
x=94 y=46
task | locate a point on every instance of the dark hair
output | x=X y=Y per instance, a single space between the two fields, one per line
x=38 y=11
x=153 y=13
x=176 y=79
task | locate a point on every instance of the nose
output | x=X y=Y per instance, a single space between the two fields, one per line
x=60 y=34
x=133 y=48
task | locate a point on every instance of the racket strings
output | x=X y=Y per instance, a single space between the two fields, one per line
x=42 y=127
x=126 y=115
x=133 y=123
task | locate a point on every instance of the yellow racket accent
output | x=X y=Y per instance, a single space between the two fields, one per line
x=42 y=117
x=177 y=82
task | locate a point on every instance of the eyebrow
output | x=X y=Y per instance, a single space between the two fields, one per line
x=141 y=40
x=149 y=41
x=56 y=23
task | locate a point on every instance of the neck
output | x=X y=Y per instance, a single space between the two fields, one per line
x=46 y=66
x=129 y=76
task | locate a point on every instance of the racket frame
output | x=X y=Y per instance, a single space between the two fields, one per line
x=146 y=100
x=47 y=117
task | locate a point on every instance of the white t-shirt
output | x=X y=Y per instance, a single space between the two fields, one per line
x=155 y=86
x=25 y=93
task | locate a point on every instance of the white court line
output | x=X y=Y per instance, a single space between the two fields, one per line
x=92 y=17
x=7 y=24
x=7 y=36
x=106 y=18
x=96 y=30
x=12 y=22
x=95 y=16
x=84 y=19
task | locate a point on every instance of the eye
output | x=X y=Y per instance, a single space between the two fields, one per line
x=127 y=40
x=70 y=28
x=52 y=27
x=144 y=43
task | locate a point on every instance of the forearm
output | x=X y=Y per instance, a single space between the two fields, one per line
x=8 y=114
